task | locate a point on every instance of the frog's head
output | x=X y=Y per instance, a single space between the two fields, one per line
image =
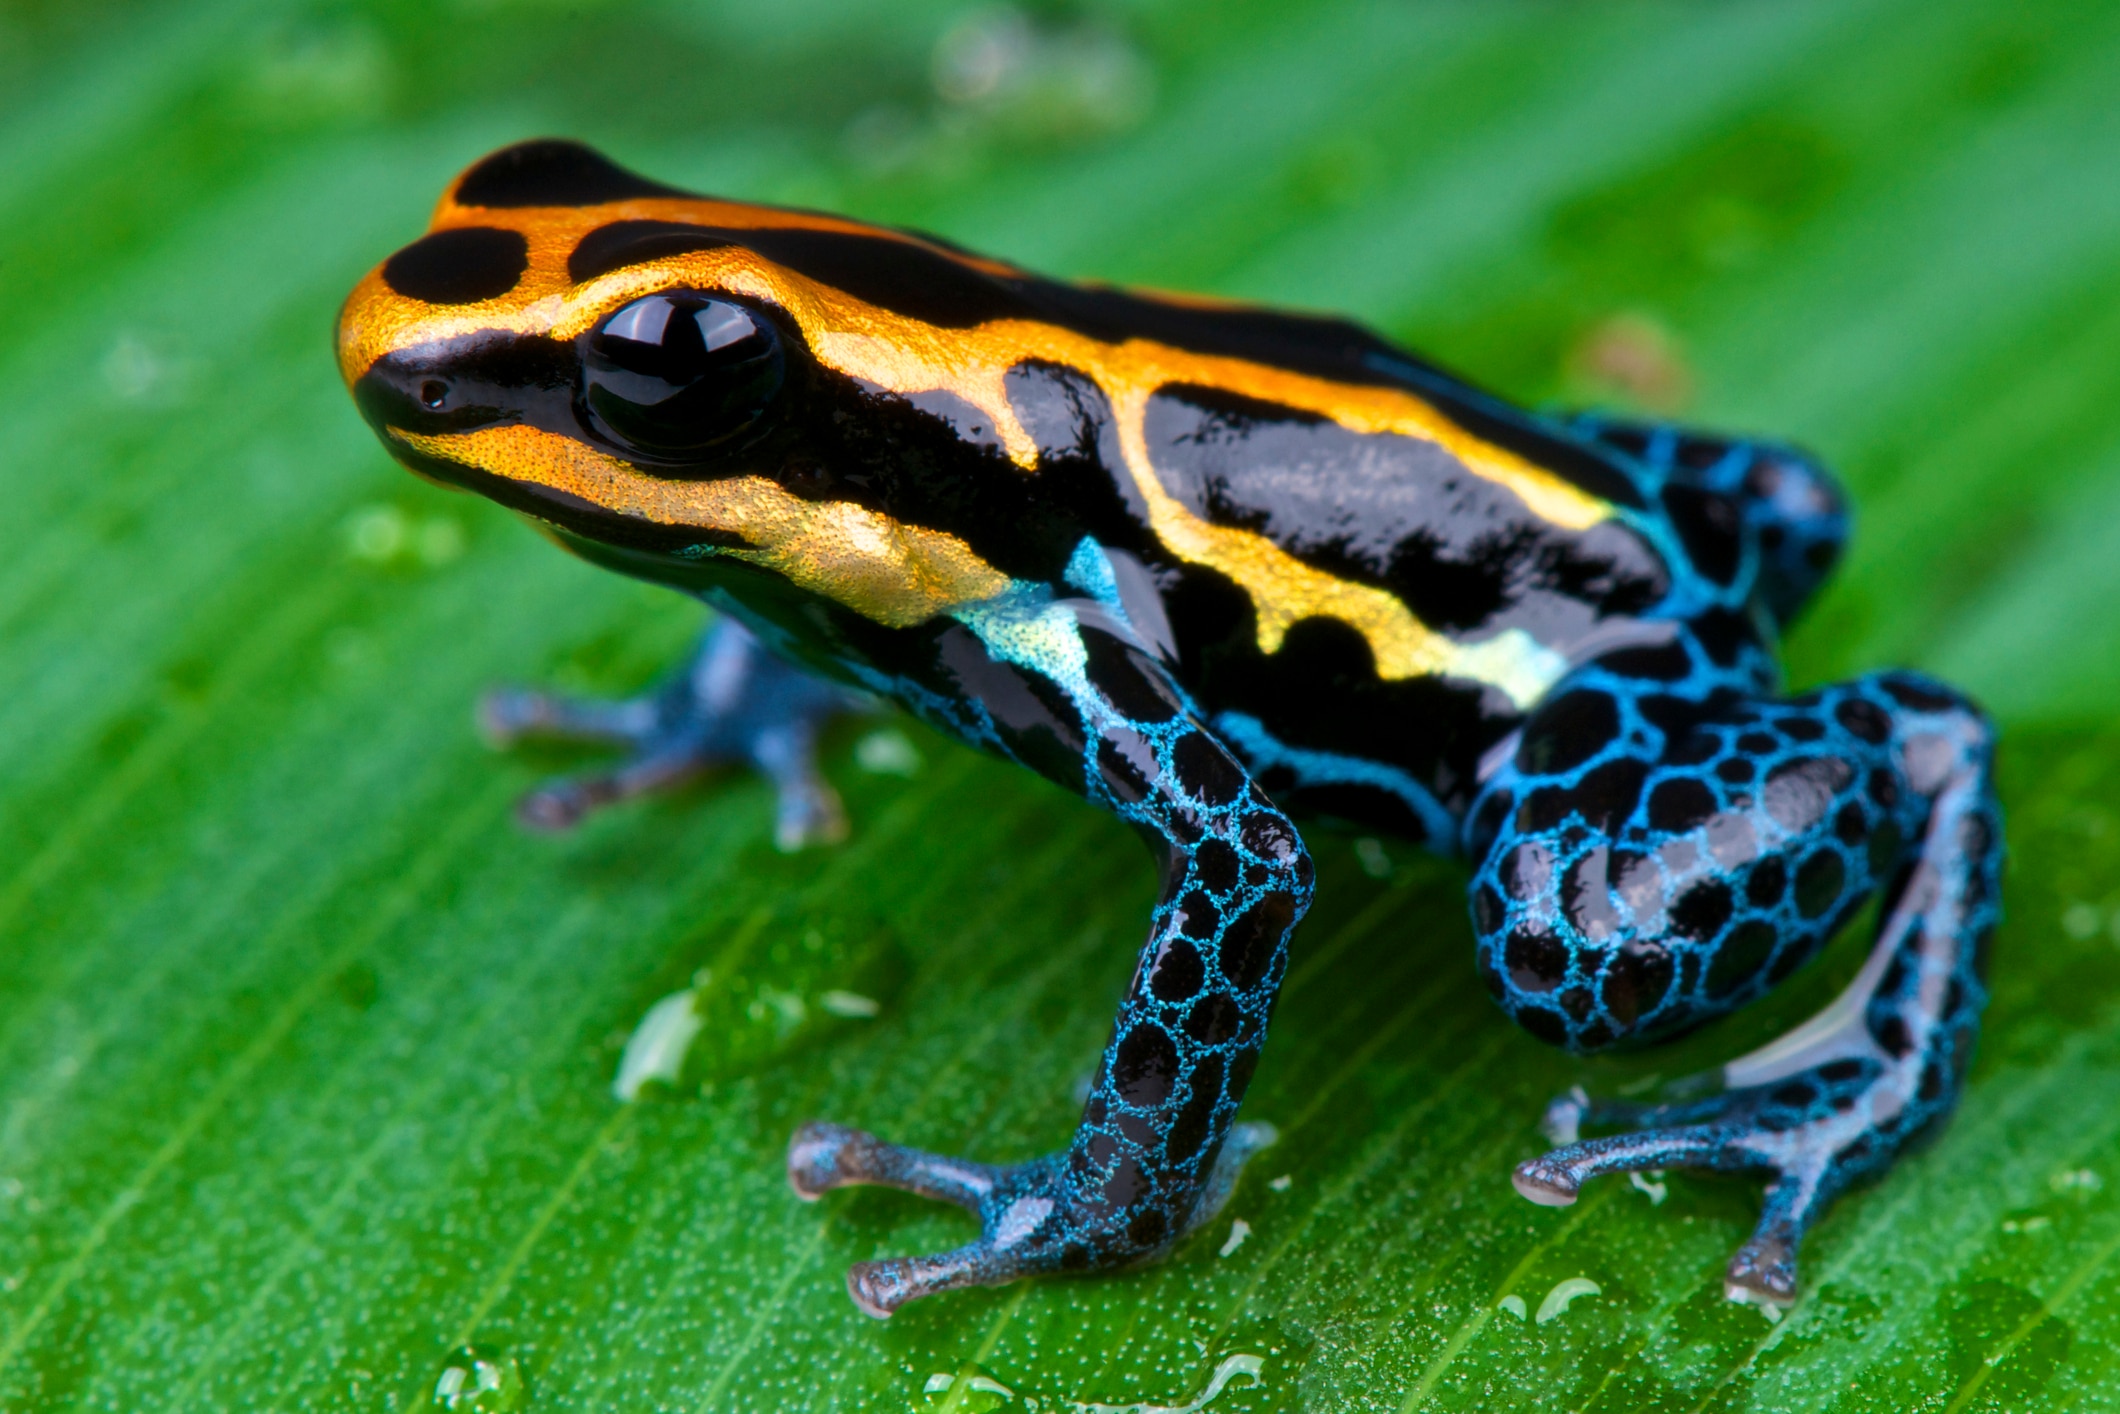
x=665 y=379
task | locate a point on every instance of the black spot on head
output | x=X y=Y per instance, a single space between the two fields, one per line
x=552 y=172
x=624 y=243
x=460 y=266
x=898 y=275
x=1737 y=770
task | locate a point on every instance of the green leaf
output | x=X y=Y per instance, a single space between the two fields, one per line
x=307 y=1053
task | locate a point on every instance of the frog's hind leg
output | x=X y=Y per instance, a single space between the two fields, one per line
x=1665 y=871
x=732 y=701
x=1791 y=504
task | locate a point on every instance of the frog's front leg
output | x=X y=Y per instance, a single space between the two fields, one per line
x=732 y=701
x=1671 y=849
x=1071 y=692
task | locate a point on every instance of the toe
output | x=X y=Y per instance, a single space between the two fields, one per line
x=1546 y=1183
x=1763 y=1272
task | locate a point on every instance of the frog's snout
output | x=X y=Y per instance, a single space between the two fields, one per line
x=465 y=385
x=403 y=393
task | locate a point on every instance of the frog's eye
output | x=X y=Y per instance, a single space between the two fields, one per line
x=671 y=376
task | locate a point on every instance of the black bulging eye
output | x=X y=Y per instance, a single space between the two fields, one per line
x=434 y=393
x=672 y=376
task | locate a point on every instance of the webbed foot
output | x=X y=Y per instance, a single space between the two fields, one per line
x=732 y=702
x=1032 y=1218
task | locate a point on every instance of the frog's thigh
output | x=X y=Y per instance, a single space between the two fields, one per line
x=1665 y=861
x=1660 y=866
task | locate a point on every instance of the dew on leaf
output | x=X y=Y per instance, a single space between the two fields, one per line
x=480 y=1380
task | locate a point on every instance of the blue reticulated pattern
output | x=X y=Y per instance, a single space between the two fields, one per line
x=1155 y=1152
x=1665 y=845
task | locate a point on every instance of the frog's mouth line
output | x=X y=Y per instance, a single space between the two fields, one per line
x=884 y=569
x=420 y=454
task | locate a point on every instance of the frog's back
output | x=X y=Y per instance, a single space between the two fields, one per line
x=1367 y=565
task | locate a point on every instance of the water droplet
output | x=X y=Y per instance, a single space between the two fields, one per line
x=850 y=1004
x=887 y=753
x=1556 y=1302
x=480 y=1380
x=1246 y=1366
x=375 y=533
x=969 y=1391
x=656 y=1049
x=1238 y=1231
x=769 y=990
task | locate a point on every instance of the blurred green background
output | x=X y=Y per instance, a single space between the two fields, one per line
x=306 y=1051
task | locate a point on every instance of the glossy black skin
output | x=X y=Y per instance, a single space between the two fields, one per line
x=1656 y=839
x=1464 y=554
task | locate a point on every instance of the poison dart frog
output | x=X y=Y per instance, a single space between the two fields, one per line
x=1214 y=567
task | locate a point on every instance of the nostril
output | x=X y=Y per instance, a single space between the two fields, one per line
x=433 y=393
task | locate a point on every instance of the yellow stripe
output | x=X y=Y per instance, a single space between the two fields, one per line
x=899 y=575
x=851 y=555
